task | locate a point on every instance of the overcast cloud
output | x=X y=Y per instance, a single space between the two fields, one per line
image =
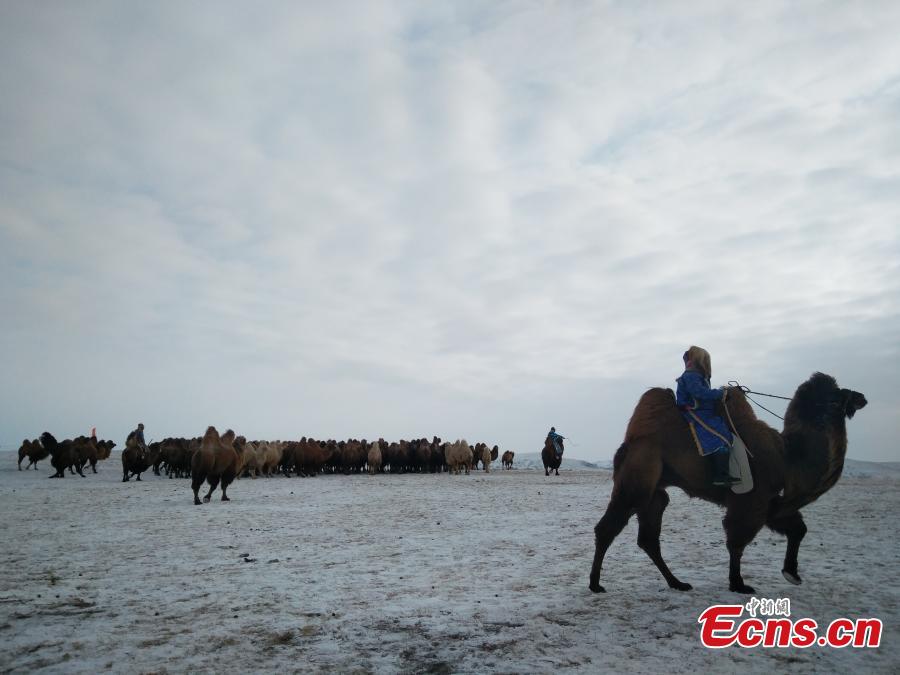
x=469 y=219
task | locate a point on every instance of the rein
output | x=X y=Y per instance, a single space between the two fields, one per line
x=747 y=390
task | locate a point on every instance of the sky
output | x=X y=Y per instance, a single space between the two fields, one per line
x=463 y=219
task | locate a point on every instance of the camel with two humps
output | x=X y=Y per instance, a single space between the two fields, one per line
x=215 y=462
x=34 y=451
x=789 y=469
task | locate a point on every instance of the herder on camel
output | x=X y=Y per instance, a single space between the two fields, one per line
x=697 y=402
x=555 y=438
x=136 y=438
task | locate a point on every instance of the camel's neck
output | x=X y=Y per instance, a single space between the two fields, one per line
x=814 y=459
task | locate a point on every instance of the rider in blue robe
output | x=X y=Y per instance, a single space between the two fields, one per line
x=697 y=402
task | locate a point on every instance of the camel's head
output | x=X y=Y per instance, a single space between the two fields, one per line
x=819 y=400
x=851 y=401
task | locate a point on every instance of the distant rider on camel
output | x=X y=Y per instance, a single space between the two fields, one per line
x=138 y=437
x=556 y=438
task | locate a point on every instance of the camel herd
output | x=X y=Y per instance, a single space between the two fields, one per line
x=220 y=459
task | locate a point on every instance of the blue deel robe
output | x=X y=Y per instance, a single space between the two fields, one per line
x=695 y=398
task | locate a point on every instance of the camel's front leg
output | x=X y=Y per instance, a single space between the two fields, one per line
x=793 y=527
x=213 y=484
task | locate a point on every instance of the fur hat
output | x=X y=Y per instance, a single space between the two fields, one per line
x=699 y=359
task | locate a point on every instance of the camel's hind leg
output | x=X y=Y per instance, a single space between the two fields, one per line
x=196 y=482
x=635 y=485
x=227 y=479
x=611 y=524
x=649 y=527
x=741 y=523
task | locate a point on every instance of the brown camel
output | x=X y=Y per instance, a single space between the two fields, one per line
x=790 y=470
x=104 y=448
x=24 y=449
x=550 y=458
x=215 y=461
x=87 y=451
x=34 y=451
x=508 y=459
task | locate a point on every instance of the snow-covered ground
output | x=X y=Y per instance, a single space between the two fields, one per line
x=408 y=573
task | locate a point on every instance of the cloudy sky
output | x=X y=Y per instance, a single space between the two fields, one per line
x=470 y=219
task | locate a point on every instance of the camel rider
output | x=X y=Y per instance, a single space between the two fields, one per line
x=697 y=402
x=138 y=436
x=557 y=441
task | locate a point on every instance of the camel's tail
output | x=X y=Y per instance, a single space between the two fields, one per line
x=619 y=458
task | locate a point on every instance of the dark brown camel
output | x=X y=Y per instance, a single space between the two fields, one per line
x=62 y=455
x=215 y=461
x=550 y=458
x=790 y=470
x=136 y=460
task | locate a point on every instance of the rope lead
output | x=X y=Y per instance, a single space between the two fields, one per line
x=747 y=390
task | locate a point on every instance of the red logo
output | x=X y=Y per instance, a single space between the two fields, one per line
x=720 y=627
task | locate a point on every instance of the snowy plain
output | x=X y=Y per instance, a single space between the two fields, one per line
x=417 y=573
